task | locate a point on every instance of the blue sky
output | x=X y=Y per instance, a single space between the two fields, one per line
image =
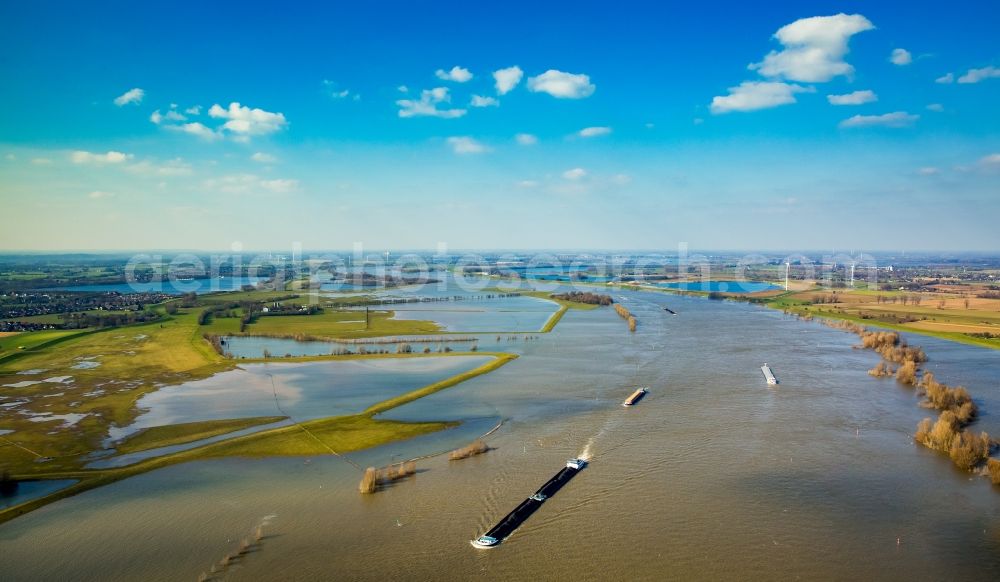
x=837 y=125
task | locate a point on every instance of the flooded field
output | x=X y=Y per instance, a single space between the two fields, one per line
x=302 y=391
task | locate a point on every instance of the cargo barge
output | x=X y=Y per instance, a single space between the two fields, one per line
x=768 y=375
x=522 y=512
x=636 y=396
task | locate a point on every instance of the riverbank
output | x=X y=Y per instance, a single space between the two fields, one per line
x=931 y=315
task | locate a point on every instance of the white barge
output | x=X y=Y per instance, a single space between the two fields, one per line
x=768 y=375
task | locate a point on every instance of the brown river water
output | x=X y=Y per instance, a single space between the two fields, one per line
x=712 y=476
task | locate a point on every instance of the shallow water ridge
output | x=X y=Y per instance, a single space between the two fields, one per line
x=713 y=475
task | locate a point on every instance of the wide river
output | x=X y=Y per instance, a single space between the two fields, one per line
x=712 y=476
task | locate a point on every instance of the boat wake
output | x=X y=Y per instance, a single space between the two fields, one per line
x=588 y=449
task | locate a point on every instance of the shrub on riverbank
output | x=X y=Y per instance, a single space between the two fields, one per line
x=369 y=482
x=940 y=435
x=374 y=478
x=968 y=450
x=907 y=373
x=882 y=370
x=993 y=466
x=941 y=397
x=476 y=447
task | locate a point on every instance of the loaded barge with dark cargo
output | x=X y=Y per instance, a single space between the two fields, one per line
x=514 y=519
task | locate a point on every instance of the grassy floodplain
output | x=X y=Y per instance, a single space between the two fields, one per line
x=178 y=434
x=334 y=435
x=66 y=399
x=344 y=324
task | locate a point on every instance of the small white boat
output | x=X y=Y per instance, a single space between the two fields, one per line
x=576 y=463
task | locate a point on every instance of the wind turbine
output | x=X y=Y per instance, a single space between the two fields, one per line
x=788 y=266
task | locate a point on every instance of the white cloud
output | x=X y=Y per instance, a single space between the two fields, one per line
x=174 y=167
x=41 y=161
x=263 y=158
x=507 y=79
x=526 y=139
x=992 y=160
x=245 y=121
x=562 y=85
x=98 y=194
x=197 y=129
x=171 y=115
x=900 y=57
x=466 y=145
x=336 y=93
x=894 y=119
x=403 y=89
x=594 y=131
x=936 y=107
x=928 y=171
x=193 y=110
x=112 y=157
x=946 y=79
x=977 y=75
x=250 y=183
x=753 y=95
x=621 y=179
x=479 y=101
x=456 y=74
x=575 y=174
x=814 y=48
x=427 y=106
x=233 y=183
x=280 y=186
x=130 y=96
x=527 y=184
x=855 y=98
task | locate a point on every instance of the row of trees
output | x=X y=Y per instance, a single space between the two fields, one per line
x=625 y=314
x=584 y=297
x=957 y=409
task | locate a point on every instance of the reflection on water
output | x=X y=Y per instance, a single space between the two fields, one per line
x=713 y=475
x=720 y=286
x=302 y=391
x=28 y=490
x=256 y=346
